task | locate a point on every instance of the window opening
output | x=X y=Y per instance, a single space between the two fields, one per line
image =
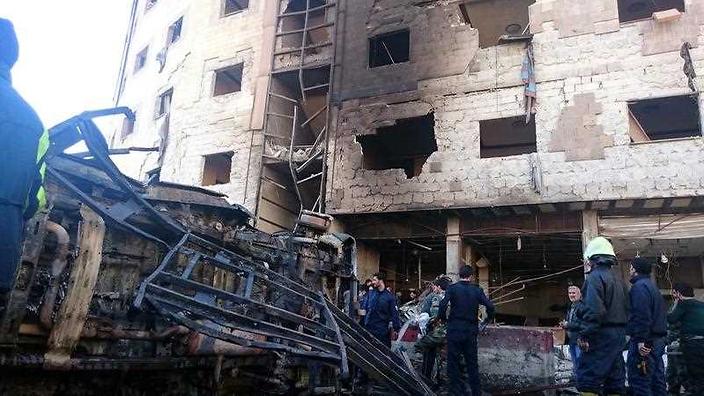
x=633 y=10
x=174 y=32
x=217 y=168
x=228 y=80
x=235 y=6
x=150 y=3
x=127 y=127
x=664 y=118
x=504 y=137
x=405 y=145
x=498 y=21
x=141 y=59
x=163 y=105
x=389 y=48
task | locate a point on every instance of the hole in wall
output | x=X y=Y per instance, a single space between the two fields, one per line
x=405 y=145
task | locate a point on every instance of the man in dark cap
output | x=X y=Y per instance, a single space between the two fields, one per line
x=20 y=131
x=647 y=328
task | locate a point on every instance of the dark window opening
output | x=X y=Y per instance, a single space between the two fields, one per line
x=504 y=137
x=127 y=127
x=217 y=168
x=150 y=3
x=390 y=48
x=234 y=6
x=174 y=32
x=163 y=105
x=228 y=80
x=664 y=118
x=498 y=21
x=405 y=145
x=141 y=59
x=633 y=10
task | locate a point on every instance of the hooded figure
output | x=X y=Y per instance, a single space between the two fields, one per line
x=20 y=180
x=601 y=369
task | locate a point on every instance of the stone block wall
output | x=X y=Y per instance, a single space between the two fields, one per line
x=199 y=123
x=585 y=76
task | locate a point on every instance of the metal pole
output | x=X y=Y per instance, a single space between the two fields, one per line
x=419 y=277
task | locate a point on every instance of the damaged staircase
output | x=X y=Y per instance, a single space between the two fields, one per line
x=243 y=299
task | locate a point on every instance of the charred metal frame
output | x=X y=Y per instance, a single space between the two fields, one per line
x=315 y=163
x=265 y=303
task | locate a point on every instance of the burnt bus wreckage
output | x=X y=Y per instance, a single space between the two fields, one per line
x=174 y=283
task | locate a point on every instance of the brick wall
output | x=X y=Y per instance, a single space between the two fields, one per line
x=592 y=70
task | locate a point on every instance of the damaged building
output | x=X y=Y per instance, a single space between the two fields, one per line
x=503 y=134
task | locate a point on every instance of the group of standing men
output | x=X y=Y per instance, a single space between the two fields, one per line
x=599 y=322
x=462 y=299
x=603 y=313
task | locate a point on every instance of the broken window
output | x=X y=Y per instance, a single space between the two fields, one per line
x=664 y=118
x=234 y=6
x=217 y=168
x=405 y=145
x=150 y=3
x=390 y=48
x=127 y=127
x=228 y=80
x=506 y=136
x=633 y=10
x=174 y=32
x=498 y=21
x=163 y=105
x=141 y=59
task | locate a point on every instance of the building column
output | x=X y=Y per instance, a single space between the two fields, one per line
x=453 y=246
x=590 y=227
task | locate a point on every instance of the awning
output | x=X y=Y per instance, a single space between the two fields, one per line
x=666 y=226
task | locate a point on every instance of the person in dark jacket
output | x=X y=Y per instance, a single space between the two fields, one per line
x=20 y=131
x=464 y=298
x=688 y=317
x=381 y=311
x=603 y=334
x=647 y=328
x=573 y=324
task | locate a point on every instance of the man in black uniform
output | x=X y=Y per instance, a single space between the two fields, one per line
x=464 y=298
x=603 y=333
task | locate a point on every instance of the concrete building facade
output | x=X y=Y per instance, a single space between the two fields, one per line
x=512 y=132
x=498 y=133
x=170 y=83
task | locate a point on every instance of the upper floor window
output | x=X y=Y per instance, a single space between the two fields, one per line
x=390 y=48
x=150 y=3
x=217 y=168
x=228 y=80
x=664 y=118
x=234 y=6
x=163 y=103
x=174 y=32
x=498 y=21
x=141 y=59
x=127 y=127
x=633 y=10
x=503 y=137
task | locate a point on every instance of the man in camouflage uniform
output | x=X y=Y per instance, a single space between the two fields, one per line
x=675 y=375
x=434 y=338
